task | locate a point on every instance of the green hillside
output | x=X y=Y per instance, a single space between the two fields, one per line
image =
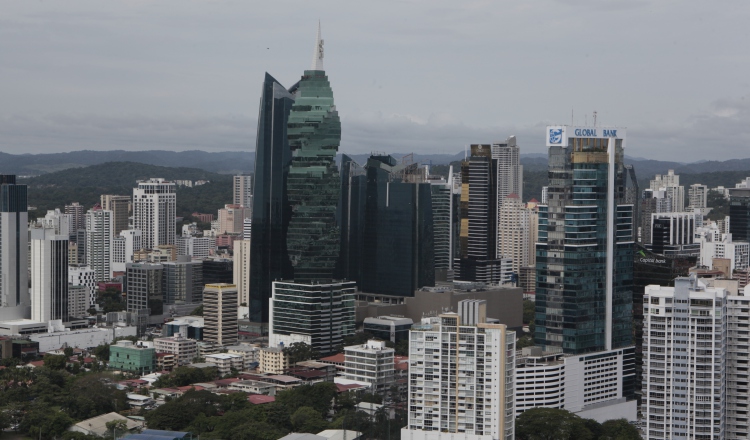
x=85 y=185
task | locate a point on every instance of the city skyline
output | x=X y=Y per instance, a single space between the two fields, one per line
x=147 y=82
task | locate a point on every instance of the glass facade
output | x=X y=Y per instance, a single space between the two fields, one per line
x=270 y=207
x=313 y=183
x=571 y=252
x=739 y=213
x=183 y=282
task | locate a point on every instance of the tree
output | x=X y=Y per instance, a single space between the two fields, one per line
x=528 y=311
x=198 y=311
x=55 y=362
x=551 y=424
x=115 y=426
x=371 y=398
x=89 y=396
x=68 y=351
x=101 y=352
x=318 y=396
x=306 y=419
x=402 y=347
x=299 y=351
x=44 y=422
x=619 y=429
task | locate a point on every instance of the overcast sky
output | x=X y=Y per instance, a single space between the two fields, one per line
x=427 y=76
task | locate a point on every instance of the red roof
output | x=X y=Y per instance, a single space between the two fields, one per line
x=37 y=363
x=226 y=382
x=343 y=388
x=190 y=387
x=164 y=354
x=513 y=196
x=259 y=399
x=534 y=200
x=335 y=359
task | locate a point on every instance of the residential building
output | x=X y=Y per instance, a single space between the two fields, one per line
x=126 y=356
x=124 y=247
x=584 y=292
x=388 y=328
x=203 y=218
x=144 y=287
x=320 y=315
x=371 y=363
x=120 y=207
x=445 y=225
x=477 y=365
x=183 y=281
x=697 y=196
x=670 y=183
x=509 y=169
x=226 y=362
x=273 y=360
x=514 y=232
x=196 y=247
x=49 y=275
x=250 y=353
x=231 y=219
x=247 y=228
x=155 y=211
x=62 y=223
x=241 y=270
x=77 y=214
x=99 y=243
x=84 y=276
x=714 y=244
x=78 y=301
x=220 y=313
x=165 y=361
x=739 y=212
x=185 y=350
x=15 y=301
x=243 y=190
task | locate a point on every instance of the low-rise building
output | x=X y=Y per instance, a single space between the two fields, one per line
x=126 y=356
x=389 y=328
x=250 y=353
x=254 y=387
x=185 y=326
x=97 y=426
x=273 y=360
x=372 y=363
x=165 y=361
x=185 y=350
x=226 y=362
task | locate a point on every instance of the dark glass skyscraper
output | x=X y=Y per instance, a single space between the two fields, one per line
x=270 y=260
x=584 y=295
x=739 y=213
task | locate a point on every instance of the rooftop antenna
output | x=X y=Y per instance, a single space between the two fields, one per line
x=466 y=151
x=594 y=118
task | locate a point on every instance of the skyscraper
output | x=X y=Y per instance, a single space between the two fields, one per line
x=119 y=205
x=243 y=190
x=144 y=287
x=584 y=291
x=509 y=169
x=670 y=183
x=99 y=243
x=220 y=313
x=313 y=186
x=14 y=248
x=155 y=212
x=241 y=270
x=78 y=215
x=739 y=213
x=49 y=275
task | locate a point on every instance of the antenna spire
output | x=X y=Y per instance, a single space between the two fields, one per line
x=317 y=62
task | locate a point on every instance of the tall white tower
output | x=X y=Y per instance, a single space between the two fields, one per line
x=99 y=227
x=49 y=275
x=14 y=249
x=155 y=212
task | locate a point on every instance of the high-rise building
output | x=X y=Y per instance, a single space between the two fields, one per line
x=739 y=213
x=461 y=380
x=371 y=362
x=509 y=169
x=714 y=244
x=120 y=207
x=220 y=314
x=14 y=250
x=124 y=246
x=84 y=276
x=60 y=222
x=584 y=293
x=445 y=225
x=99 y=243
x=651 y=202
x=697 y=196
x=78 y=301
x=670 y=184
x=196 y=247
x=673 y=233
x=183 y=281
x=155 y=212
x=241 y=270
x=49 y=275
x=247 y=228
x=144 y=287
x=243 y=190
x=231 y=219
x=320 y=315
x=312 y=185
x=514 y=228
x=77 y=214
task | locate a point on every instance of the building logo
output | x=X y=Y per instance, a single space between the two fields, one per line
x=555 y=135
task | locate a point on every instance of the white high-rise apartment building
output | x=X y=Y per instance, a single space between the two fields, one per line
x=461 y=380
x=698 y=195
x=49 y=275
x=688 y=359
x=62 y=223
x=232 y=219
x=14 y=250
x=670 y=183
x=243 y=190
x=513 y=232
x=247 y=228
x=715 y=244
x=120 y=207
x=155 y=212
x=241 y=270
x=99 y=243
x=84 y=276
x=196 y=247
x=124 y=246
x=372 y=363
x=509 y=169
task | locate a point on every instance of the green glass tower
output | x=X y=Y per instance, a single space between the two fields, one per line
x=313 y=184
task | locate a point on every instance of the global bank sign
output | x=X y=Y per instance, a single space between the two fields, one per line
x=558 y=135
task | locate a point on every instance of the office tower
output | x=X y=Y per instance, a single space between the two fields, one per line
x=99 y=243
x=584 y=293
x=445 y=225
x=478 y=259
x=241 y=271
x=387 y=228
x=670 y=183
x=673 y=233
x=371 y=362
x=687 y=389
x=144 y=287
x=739 y=213
x=545 y=195
x=120 y=207
x=155 y=212
x=60 y=222
x=270 y=206
x=247 y=228
x=461 y=380
x=196 y=247
x=124 y=246
x=697 y=196
x=220 y=314
x=183 y=281
x=218 y=270
x=321 y=314
x=231 y=219
x=388 y=328
x=78 y=301
x=84 y=276
x=312 y=184
x=509 y=169
x=651 y=202
x=243 y=190
x=14 y=248
x=513 y=232
x=77 y=214
x=79 y=237
x=49 y=275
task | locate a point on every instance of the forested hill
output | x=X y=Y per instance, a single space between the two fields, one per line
x=86 y=184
